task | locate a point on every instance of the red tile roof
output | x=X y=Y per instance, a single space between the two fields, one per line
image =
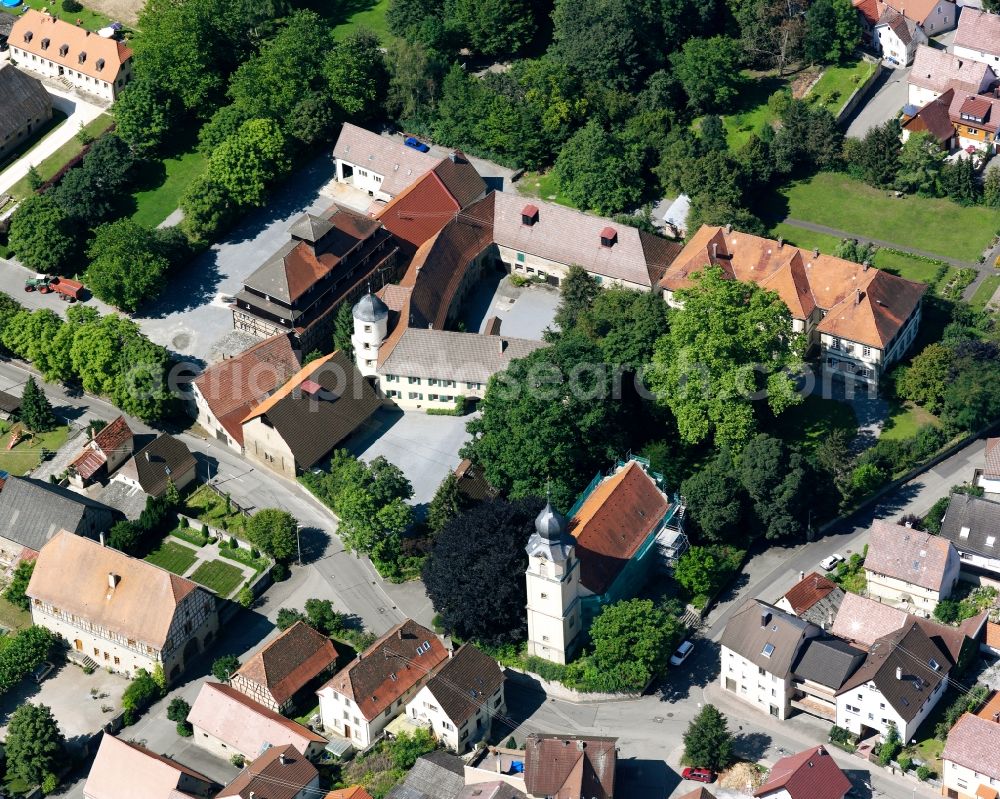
x=87 y=463
x=978 y=107
x=811 y=774
x=974 y=742
x=909 y=555
x=291 y=660
x=570 y=767
x=405 y=656
x=45 y=36
x=992 y=458
x=354 y=792
x=114 y=436
x=934 y=118
x=808 y=591
x=421 y=211
x=613 y=522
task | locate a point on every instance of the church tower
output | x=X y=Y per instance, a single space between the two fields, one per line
x=553 y=579
x=371 y=325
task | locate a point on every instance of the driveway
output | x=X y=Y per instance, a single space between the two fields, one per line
x=524 y=312
x=883 y=105
x=78 y=112
x=12 y=277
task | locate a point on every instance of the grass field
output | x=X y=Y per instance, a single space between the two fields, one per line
x=28 y=453
x=90 y=20
x=368 y=14
x=13 y=618
x=985 y=291
x=208 y=507
x=62 y=156
x=902 y=265
x=814 y=420
x=838 y=201
x=161 y=196
x=173 y=557
x=836 y=84
x=220 y=577
x=905 y=419
x=544 y=186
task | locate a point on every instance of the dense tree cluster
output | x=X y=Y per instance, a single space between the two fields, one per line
x=35 y=746
x=106 y=355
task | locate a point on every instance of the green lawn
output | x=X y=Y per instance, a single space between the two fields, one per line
x=13 y=618
x=156 y=202
x=208 y=507
x=90 y=20
x=814 y=420
x=28 y=453
x=62 y=156
x=368 y=14
x=172 y=556
x=838 y=201
x=905 y=419
x=241 y=555
x=985 y=291
x=836 y=84
x=544 y=186
x=220 y=577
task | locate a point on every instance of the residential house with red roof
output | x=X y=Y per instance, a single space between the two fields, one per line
x=909 y=569
x=227 y=391
x=928 y=17
x=978 y=36
x=284 y=666
x=971 y=757
x=814 y=598
x=976 y=118
x=857 y=319
x=363 y=697
x=989 y=477
x=123 y=613
x=897 y=37
x=328 y=260
x=812 y=774
x=108 y=449
x=934 y=118
x=354 y=792
x=570 y=766
x=380 y=165
x=280 y=772
x=622 y=527
x=55 y=48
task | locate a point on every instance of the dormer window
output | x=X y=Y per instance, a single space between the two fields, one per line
x=609 y=237
x=63 y=50
x=529 y=215
x=28 y=36
x=100 y=64
x=45 y=43
x=81 y=58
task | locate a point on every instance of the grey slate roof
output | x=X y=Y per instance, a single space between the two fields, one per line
x=6 y=23
x=9 y=403
x=436 y=775
x=311 y=228
x=972 y=524
x=828 y=661
x=164 y=459
x=758 y=626
x=22 y=98
x=447 y=355
x=370 y=309
x=495 y=789
x=398 y=164
x=32 y=511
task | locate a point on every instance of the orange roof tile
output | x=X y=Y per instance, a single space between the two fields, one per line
x=354 y=792
x=808 y=591
x=70 y=46
x=613 y=522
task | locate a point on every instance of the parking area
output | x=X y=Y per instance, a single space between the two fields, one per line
x=524 y=312
x=884 y=104
x=82 y=703
x=424 y=447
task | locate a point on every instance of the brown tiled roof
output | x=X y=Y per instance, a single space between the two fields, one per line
x=804 y=281
x=978 y=30
x=115 y=436
x=808 y=591
x=869 y=9
x=420 y=211
x=398 y=164
x=120 y=766
x=460 y=178
x=904 y=28
x=244 y=725
x=290 y=661
x=934 y=118
x=699 y=793
x=974 y=742
x=88 y=462
x=864 y=620
x=975 y=106
x=164 y=459
x=910 y=650
x=915 y=10
x=907 y=554
x=389 y=668
x=280 y=773
x=231 y=388
x=992 y=635
x=613 y=522
x=46 y=37
x=465 y=682
x=991 y=707
x=71 y=573
x=992 y=458
x=812 y=774
x=354 y=792
x=758 y=625
x=937 y=69
x=313 y=424
x=471 y=483
x=570 y=767
x=980 y=106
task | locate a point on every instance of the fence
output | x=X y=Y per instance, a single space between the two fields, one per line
x=860 y=94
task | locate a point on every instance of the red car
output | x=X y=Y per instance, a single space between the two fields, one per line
x=698 y=774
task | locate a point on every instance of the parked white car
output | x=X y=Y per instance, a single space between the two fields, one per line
x=830 y=563
x=682 y=653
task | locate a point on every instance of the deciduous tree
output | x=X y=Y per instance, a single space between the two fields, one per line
x=356 y=73
x=632 y=641
x=776 y=479
x=246 y=163
x=144 y=115
x=42 y=235
x=708 y=69
x=925 y=381
x=15 y=590
x=273 y=531
x=577 y=292
x=35 y=746
x=127 y=264
x=224 y=667
x=595 y=171
x=715 y=498
x=446 y=504
x=492 y=27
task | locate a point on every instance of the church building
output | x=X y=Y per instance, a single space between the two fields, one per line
x=622 y=527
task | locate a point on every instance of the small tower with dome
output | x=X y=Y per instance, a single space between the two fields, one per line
x=371 y=326
x=552 y=582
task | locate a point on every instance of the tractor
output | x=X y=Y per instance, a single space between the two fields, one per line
x=39 y=282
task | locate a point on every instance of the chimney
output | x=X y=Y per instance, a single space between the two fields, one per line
x=113 y=579
x=899 y=672
x=996 y=717
x=802 y=575
x=816 y=252
x=399 y=633
x=147 y=455
x=781 y=243
x=857 y=296
x=864 y=266
x=253 y=795
x=453 y=156
x=765 y=617
x=282 y=760
x=715 y=250
x=360 y=655
x=101 y=539
x=729 y=228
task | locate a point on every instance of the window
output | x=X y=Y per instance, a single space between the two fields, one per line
x=347 y=716
x=836 y=344
x=388 y=710
x=545 y=638
x=368 y=328
x=545 y=596
x=432 y=397
x=414 y=381
x=416 y=396
x=866 y=352
x=392 y=378
x=520 y=257
x=768 y=650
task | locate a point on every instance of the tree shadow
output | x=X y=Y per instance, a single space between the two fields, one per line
x=750 y=746
x=314 y=543
x=340 y=12
x=644 y=779
x=146 y=176
x=698 y=671
x=525 y=696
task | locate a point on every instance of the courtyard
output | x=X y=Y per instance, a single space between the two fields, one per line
x=523 y=311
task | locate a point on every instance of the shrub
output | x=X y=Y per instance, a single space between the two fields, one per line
x=140 y=694
x=238 y=760
x=891 y=746
x=184 y=729
x=279 y=572
x=50 y=782
x=178 y=709
x=905 y=762
x=71 y=6
x=839 y=734
x=934 y=517
x=924 y=773
x=22 y=653
x=182 y=521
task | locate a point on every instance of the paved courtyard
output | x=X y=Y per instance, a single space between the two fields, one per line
x=524 y=312
x=67 y=690
x=424 y=447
